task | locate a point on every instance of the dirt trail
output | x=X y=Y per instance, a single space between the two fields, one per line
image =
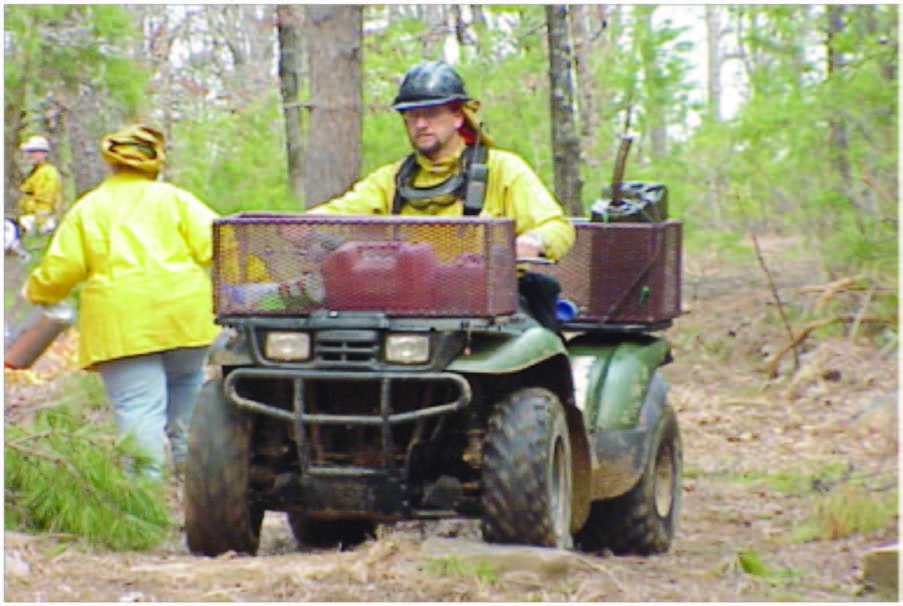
x=759 y=456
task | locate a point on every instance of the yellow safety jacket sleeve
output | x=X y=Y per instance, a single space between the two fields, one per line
x=513 y=191
x=142 y=251
x=372 y=195
x=41 y=189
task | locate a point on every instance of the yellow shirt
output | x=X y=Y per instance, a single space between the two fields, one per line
x=41 y=189
x=513 y=191
x=142 y=249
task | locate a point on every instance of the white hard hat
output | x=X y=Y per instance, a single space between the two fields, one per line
x=36 y=143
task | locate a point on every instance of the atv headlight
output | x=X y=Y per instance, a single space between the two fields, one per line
x=290 y=346
x=408 y=349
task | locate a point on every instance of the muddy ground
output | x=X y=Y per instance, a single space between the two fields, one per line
x=762 y=457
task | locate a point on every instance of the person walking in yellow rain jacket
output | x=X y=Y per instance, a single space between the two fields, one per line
x=41 y=190
x=142 y=248
x=448 y=139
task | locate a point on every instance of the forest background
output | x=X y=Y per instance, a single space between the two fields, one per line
x=280 y=107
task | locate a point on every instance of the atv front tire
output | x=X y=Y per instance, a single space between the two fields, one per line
x=527 y=472
x=642 y=520
x=219 y=515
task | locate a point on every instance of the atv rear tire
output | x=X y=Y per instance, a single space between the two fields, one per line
x=219 y=515
x=527 y=472
x=642 y=520
x=310 y=532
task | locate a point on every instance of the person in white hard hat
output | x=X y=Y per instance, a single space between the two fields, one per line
x=41 y=189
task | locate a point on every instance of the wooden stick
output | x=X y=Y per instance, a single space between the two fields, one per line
x=777 y=298
x=808 y=328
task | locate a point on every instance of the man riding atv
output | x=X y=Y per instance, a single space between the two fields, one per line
x=377 y=364
x=452 y=166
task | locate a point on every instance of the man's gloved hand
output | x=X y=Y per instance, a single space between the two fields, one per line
x=529 y=245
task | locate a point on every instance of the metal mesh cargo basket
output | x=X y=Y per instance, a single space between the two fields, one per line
x=622 y=273
x=268 y=264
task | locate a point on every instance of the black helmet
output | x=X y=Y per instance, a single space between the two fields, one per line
x=429 y=83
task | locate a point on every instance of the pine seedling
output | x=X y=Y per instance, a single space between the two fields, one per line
x=64 y=476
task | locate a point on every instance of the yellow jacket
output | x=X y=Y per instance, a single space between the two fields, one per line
x=513 y=191
x=143 y=249
x=42 y=190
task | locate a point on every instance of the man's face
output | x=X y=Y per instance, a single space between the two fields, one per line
x=433 y=131
x=35 y=156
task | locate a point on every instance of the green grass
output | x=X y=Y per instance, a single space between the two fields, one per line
x=792 y=482
x=451 y=566
x=851 y=509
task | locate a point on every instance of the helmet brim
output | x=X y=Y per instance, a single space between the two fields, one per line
x=426 y=103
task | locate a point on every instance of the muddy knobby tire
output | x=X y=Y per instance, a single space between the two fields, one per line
x=526 y=479
x=311 y=532
x=219 y=515
x=642 y=521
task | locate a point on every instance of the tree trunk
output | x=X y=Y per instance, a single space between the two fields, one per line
x=333 y=154
x=868 y=15
x=713 y=37
x=288 y=24
x=14 y=114
x=82 y=117
x=565 y=142
x=655 y=104
x=479 y=16
x=436 y=19
x=836 y=62
x=585 y=48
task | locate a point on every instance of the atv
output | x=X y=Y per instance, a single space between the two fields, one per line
x=373 y=370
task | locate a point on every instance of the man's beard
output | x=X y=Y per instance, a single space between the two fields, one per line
x=429 y=149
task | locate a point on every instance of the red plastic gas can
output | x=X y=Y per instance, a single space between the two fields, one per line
x=385 y=276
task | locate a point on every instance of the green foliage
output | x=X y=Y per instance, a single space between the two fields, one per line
x=86 y=391
x=234 y=162
x=63 y=476
x=73 y=45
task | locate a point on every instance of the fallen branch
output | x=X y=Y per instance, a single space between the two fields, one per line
x=807 y=330
x=843 y=285
x=829 y=291
x=777 y=299
x=848 y=284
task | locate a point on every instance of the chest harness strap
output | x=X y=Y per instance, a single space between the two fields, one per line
x=467 y=184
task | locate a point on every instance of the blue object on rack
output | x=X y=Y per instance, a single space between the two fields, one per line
x=565 y=310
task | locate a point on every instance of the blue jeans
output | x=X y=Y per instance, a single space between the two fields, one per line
x=153 y=398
